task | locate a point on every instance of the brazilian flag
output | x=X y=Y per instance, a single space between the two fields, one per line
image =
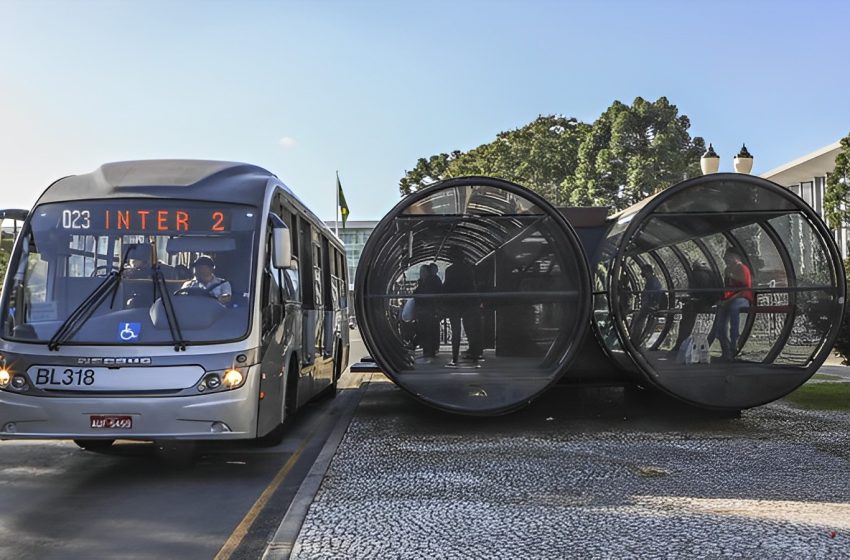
x=343 y=205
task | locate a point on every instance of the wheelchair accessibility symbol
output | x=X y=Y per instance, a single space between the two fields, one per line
x=129 y=331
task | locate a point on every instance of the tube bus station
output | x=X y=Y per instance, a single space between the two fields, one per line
x=520 y=281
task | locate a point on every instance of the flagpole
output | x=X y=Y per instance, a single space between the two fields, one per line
x=336 y=222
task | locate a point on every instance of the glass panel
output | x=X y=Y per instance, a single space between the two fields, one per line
x=471 y=298
x=726 y=196
x=76 y=249
x=756 y=302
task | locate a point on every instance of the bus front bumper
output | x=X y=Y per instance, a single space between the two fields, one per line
x=227 y=415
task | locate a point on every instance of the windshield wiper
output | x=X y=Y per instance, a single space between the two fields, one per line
x=83 y=312
x=168 y=307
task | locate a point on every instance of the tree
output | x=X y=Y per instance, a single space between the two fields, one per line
x=632 y=152
x=426 y=172
x=539 y=156
x=627 y=154
x=835 y=200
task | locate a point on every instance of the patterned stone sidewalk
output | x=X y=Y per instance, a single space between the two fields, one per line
x=583 y=479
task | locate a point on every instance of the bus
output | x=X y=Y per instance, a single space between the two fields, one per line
x=169 y=300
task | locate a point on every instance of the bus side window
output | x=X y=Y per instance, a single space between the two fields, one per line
x=342 y=273
x=272 y=300
x=318 y=297
x=292 y=281
x=305 y=267
x=328 y=273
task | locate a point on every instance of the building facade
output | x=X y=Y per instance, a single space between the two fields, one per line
x=354 y=235
x=806 y=177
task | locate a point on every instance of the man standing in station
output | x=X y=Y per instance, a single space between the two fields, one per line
x=460 y=283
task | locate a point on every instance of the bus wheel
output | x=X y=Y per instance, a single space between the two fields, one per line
x=330 y=392
x=273 y=438
x=94 y=444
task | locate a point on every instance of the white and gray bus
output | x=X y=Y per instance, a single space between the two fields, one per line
x=169 y=300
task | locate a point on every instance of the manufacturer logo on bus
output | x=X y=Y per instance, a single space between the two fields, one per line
x=114 y=361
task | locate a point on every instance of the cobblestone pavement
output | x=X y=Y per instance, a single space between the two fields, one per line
x=583 y=475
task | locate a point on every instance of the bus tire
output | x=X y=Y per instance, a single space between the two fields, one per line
x=291 y=395
x=94 y=444
x=331 y=391
x=274 y=437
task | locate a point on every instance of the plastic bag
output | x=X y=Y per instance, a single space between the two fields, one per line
x=683 y=353
x=408 y=312
x=702 y=350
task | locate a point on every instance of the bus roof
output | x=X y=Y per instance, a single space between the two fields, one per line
x=171 y=178
x=186 y=179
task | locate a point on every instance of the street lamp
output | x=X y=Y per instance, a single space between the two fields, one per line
x=744 y=161
x=710 y=161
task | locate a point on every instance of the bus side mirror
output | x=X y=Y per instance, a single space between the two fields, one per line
x=281 y=243
x=281 y=247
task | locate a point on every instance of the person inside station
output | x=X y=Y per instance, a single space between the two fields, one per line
x=438 y=320
x=651 y=299
x=206 y=280
x=737 y=279
x=704 y=284
x=425 y=311
x=463 y=309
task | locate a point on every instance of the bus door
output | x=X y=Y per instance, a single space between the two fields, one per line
x=331 y=292
x=273 y=341
x=319 y=293
x=310 y=294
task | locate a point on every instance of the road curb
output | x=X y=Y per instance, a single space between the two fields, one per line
x=282 y=543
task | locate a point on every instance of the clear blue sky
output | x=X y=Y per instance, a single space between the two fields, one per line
x=306 y=88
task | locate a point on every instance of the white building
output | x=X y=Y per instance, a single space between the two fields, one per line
x=806 y=177
x=354 y=235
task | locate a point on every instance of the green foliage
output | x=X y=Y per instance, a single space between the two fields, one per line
x=5 y=253
x=838 y=188
x=540 y=156
x=628 y=153
x=426 y=172
x=632 y=152
x=822 y=396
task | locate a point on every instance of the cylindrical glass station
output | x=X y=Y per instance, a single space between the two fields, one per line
x=473 y=295
x=725 y=291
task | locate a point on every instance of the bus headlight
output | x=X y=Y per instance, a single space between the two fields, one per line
x=233 y=378
x=5 y=378
x=19 y=382
x=213 y=381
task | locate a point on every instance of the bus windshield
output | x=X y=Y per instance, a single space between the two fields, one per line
x=69 y=251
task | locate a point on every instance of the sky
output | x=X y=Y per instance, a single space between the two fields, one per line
x=365 y=88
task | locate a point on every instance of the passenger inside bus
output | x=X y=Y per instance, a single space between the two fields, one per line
x=138 y=262
x=206 y=282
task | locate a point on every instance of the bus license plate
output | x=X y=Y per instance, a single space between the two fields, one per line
x=112 y=422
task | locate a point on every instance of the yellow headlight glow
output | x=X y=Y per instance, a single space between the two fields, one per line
x=232 y=378
x=5 y=377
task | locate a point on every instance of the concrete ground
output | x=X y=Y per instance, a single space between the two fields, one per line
x=591 y=473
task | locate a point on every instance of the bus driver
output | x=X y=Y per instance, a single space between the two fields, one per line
x=205 y=280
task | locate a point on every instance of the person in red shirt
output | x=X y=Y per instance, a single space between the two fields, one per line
x=737 y=279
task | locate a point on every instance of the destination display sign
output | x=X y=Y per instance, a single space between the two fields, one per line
x=147 y=220
x=143 y=217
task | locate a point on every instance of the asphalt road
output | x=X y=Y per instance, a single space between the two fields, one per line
x=58 y=501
